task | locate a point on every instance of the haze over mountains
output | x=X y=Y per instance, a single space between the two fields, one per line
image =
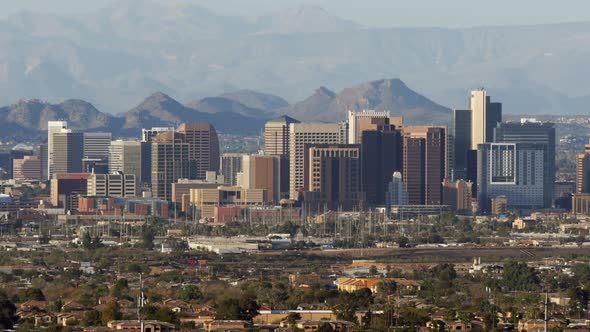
x=239 y=112
x=117 y=56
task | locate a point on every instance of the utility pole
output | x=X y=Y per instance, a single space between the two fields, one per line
x=546 y=305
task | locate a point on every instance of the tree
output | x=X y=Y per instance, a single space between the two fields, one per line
x=110 y=313
x=189 y=292
x=325 y=327
x=120 y=289
x=7 y=313
x=244 y=308
x=30 y=294
x=152 y=312
x=387 y=287
x=91 y=318
x=519 y=276
x=87 y=241
x=147 y=237
x=579 y=298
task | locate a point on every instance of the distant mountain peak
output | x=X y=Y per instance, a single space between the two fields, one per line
x=323 y=91
x=304 y=19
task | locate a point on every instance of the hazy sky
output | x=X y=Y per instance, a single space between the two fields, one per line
x=379 y=13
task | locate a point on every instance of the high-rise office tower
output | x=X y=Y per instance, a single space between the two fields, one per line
x=332 y=175
x=148 y=134
x=262 y=172
x=67 y=150
x=231 y=165
x=583 y=172
x=126 y=157
x=43 y=157
x=368 y=120
x=513 y=170
x=203 y=147
x=381 y=157
x=533 y=132
x=276 y=143
x=425 y=164
x=52 y=128
x=170 y=162
x=300 y=135
x=485 y=115
x=276 y=136
x=462 y=142
x=96 y=145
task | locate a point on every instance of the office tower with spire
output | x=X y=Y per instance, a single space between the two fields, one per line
x=203 y=146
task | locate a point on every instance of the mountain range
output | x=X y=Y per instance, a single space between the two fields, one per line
x=239 y=112
x=116 y=56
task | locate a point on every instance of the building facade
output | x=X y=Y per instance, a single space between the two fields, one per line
x=203 y=146
x=300 y=135
x=112 y=185
x=27 y=168
x=126 y=157
x=170 y=162
x=96 y=145
x=368 y=120
x=66 y=152
x=513 y=170
x=262 y=172
x=333 y=176
x=583 y=172
x=231 y=165
x=531 y=131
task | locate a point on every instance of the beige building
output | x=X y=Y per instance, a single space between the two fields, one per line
x=581 y=204
x=499 y=205
x=203 y=146
x=458 y=195
x=52 y=128
x=182 y=188
x=583 y=172
x=484 y=117
x=112 y=185
x=27 y=168
x=67 y=151
x=369 y=120
x=207 y=199
x=262 y=172
x=276 y=136
x=170 y=162
x=300 y=135
x=125 y=156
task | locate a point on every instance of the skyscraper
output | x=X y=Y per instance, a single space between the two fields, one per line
x=533 y=132
x=368 y=120
x=300 y=135
x=514 y=170
x=262 y=172
x=583 y=172
x=203 y=147
x=96 y=145
x=485 y=115
x=126 y=157
x=396 y=192
x=67 y=149
x=462 y=142
x=231 y=165
x=425 y=164
x=170 y=162
x=52 y=128
x=332 y=176
x=381 y=157
x=276 y=136
x=112 y=185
